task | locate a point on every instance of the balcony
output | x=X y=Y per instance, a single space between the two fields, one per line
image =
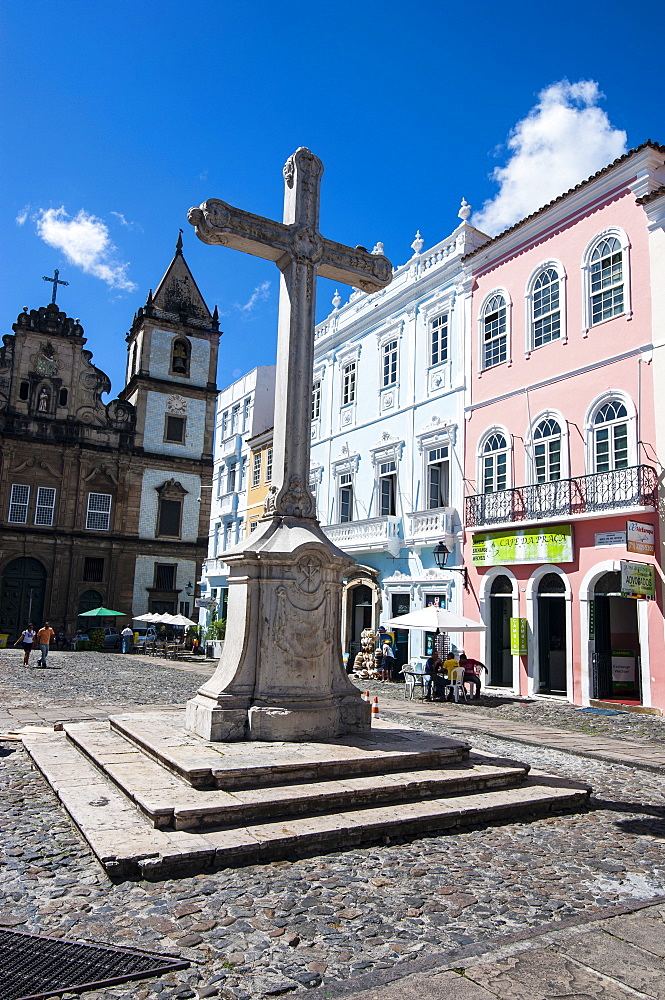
x=630 y=489
x=230 y=446
x=427 y=527
x=215 y=566
x=374 y=534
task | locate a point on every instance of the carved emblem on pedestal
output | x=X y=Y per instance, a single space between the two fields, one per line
x=297 y=501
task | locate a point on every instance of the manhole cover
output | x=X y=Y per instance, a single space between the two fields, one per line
x=32 y=966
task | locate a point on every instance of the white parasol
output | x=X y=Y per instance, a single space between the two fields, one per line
x=433 y=618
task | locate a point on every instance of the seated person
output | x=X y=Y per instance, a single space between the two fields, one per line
x=434 y=669
x=450 y=665
x=472 y=671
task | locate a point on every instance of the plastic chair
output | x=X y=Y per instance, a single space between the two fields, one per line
x=457 y=684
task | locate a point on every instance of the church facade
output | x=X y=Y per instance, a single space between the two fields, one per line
x=102 y=503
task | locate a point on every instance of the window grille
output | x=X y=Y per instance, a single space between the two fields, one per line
x=99 y=511
x=18 y=504
x=45 y=506
x=93 y=569
x=165 y=576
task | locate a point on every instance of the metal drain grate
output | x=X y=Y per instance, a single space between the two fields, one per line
x=32 y=966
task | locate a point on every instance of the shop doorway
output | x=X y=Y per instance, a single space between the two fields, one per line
x=401 y=605
x=22 y=595
x=361 y=618
x=552 y=641
x=501 y=608
x=616 y=674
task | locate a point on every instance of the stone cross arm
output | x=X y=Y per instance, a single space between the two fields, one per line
x=219 y=223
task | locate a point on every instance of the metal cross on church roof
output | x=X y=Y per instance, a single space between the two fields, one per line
x=55 y=281
x=300 y=252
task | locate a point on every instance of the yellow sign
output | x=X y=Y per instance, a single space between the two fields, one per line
x=638 y=580
x=518 y=637
x=552 y=544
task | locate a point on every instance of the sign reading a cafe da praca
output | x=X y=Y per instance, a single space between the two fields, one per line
x=524 y=545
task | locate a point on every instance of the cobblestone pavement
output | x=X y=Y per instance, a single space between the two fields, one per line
x=319 y=923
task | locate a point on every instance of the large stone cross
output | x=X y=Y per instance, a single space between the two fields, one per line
x=300 y=252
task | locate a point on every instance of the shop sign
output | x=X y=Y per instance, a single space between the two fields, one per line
x=524 y=545
x=610 y=538
x=204 y=602
x=592 y=619
x=641 y=537
x=638 y=580
x=623 y=668
x=518 y=637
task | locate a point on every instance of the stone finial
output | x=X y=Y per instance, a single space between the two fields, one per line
x=418 y=243
x=465 y=210
x=336 y=300
x=378 y=248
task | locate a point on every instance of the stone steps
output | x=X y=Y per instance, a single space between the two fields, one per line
x=168 y=802
x=116 y=794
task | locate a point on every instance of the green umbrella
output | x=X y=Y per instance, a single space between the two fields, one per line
x=101 y=613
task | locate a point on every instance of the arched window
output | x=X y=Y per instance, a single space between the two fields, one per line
x=545 y=302
x=606 y=278
x=610 y=437
x=494 y=332
x=495 y=463
x=547 y=451
x=180 y=357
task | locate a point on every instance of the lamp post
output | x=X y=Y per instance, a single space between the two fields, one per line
x=441 y=553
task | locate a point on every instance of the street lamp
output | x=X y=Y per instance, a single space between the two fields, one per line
x=441 y=553
x=189 y=590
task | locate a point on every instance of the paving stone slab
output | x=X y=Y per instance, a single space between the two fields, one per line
x=625 y=962
x=644 y=928
x=540 y=974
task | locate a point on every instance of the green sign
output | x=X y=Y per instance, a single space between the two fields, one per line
x=638 y=579
x=518 y=637
x=550 y=544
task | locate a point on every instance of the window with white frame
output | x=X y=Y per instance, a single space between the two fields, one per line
x=253 y=525
x=438 y=343
x=245 y=413
x=98 y=516
x=387 y=488
x=235 y=419
x=225 y=423
x=389 y=363
x=231 y=477
x=18 y=504
x=243 y=474
x=345 y=497
x=45 y=506
x=494 y=324
x=316 y=399
x=269 y=465
x=228 y=534
x=348 y=383
x=495 y=464
x=547 y=451
x=546 y=308
x=607 y=278
x=610 y=433
x=256 y=469
x=220 y=479
x=438 y=477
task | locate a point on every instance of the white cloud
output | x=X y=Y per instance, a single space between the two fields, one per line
x=260 y=293
x=86 y=243
x=125 y=222
x=22 y=216
x=565 y=138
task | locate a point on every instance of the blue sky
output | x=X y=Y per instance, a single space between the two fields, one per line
x=117 y=117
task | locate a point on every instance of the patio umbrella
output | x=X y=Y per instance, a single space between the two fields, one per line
x=432 y=618
x=182 y=620
x=102 y=613
x=148 y=617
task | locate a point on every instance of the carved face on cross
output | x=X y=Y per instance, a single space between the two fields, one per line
x=301 y=253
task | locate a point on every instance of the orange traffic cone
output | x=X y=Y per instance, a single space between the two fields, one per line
x=366 y=696
x=375 y=708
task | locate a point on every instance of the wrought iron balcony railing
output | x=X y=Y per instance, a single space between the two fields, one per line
x=595 y=494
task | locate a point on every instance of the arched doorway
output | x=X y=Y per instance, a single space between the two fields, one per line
x=616 y=659
x=361 y=617
x=552 y=652
x=500 y=657
x=90 y=600
x=22 y=594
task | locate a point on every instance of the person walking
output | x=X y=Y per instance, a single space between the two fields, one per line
x=127 y=639
x=27 y=640
x=44 y=638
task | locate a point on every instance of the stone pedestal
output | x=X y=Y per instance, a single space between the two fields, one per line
x=281 y=675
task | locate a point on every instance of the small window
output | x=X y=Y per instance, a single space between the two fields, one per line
x=438 y=340
x=349 y=383
x=256 y=469
x=175 y=429
x=98 y=517
x=316 y=400
x=45 y=505
x=438 y=477
x=228 y=534
x=547 y=451
x=63 y=397
x=495 y=464
x=387 y=488
x=235 y=419
x=225 y=423
x=253 y=525
x=231 y=478
x=611 y=437
x=546 y=312
x=93 y=569
x=389 y=359
x=607 y=298
x=165 y=576
x=18 y=504
x=24 y=390
x=269 y=465
x=169 y=518
x=345 y=497
x=494 y=327
x=180 y=357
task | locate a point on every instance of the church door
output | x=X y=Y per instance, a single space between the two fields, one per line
x=22 y=594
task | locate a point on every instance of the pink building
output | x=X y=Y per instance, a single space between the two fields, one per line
x=561 y=447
